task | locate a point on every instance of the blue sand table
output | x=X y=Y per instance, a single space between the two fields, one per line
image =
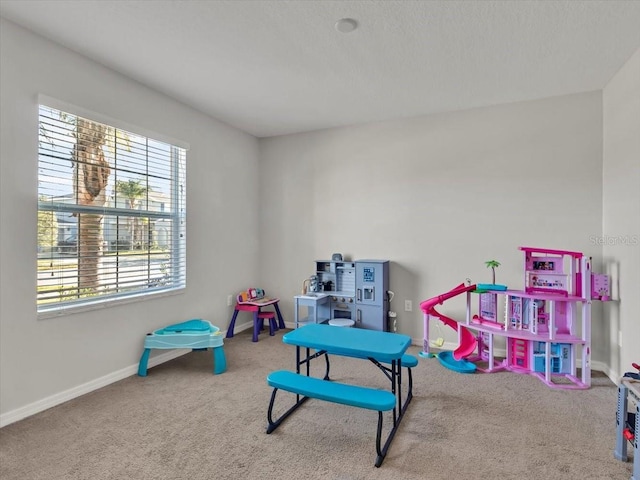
x=195 y=334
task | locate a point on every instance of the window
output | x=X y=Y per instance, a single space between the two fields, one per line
x=111 y=213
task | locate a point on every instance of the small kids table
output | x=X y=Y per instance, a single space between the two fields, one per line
x=254 y=306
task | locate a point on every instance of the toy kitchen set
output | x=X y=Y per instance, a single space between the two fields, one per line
x=346 y=293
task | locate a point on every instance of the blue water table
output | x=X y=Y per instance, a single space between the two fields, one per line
x=196 y=334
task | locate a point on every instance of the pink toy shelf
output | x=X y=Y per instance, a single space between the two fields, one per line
x=546 y=326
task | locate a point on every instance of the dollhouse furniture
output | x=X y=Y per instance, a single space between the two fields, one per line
x=195 y=334
x=546 y=326
x=628 y=424
x=254 y=300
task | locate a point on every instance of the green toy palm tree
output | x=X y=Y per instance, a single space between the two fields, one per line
x=492 y=264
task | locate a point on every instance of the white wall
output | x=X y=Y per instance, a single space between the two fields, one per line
x=40 y=360
x=438 y=196
x=621 y=216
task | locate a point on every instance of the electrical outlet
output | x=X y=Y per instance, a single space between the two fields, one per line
x=229 y=300
x=408 y=306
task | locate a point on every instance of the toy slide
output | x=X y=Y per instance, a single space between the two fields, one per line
x=468 y=341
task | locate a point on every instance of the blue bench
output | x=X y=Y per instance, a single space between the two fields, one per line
x=356 y=396
x=408 y=360
x=329 y=391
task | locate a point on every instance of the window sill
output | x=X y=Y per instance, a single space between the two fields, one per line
x=54 y=312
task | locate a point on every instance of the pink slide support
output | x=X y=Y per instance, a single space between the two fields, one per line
x=468 y=341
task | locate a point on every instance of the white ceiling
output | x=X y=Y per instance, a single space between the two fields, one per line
x=273 y=67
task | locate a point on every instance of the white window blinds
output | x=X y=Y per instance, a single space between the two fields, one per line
x=111 y=213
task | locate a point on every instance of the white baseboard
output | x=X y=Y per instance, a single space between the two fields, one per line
x=65 y=396
x=61 y=397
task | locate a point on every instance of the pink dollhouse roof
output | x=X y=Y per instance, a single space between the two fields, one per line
x=550 y=251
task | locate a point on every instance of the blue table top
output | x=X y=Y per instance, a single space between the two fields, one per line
x=351 y=342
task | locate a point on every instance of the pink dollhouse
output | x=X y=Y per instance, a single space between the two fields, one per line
x=546 y=327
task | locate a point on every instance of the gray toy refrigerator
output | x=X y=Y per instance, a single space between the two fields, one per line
x=372 y=302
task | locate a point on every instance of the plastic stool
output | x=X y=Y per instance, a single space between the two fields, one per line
x=271 y=316
x=341 y=322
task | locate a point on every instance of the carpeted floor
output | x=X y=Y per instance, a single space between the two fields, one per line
x=182 y=422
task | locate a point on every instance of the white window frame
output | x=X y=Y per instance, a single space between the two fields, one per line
x=175 y=281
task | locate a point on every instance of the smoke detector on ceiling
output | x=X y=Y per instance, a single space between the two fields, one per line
x=346 y=25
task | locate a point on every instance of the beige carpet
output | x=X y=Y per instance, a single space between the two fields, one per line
x=182 y=422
